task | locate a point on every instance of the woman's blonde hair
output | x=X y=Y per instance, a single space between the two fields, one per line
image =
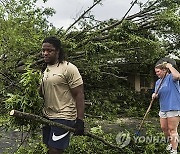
x=161 y=67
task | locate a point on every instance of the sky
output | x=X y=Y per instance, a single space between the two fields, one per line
x=69 y=10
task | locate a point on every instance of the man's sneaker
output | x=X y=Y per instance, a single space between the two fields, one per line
x=169 y=147
x=173 y=151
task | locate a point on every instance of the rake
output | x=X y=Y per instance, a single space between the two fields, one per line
x=161 y=61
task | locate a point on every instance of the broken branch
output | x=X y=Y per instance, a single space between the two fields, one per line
x=42 y=120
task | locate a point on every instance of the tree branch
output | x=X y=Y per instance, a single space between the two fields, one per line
x=119 y=22
x=122 y=78
x=82 y=16
x=42 y=120
x=139 y=14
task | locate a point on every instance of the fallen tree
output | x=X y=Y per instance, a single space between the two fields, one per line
x=42 y=120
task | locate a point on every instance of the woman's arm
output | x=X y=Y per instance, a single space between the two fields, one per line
x=174 y=72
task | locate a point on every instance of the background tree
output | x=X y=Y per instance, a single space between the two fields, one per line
x=23 y=25
x=104 y=51
x=119 y=47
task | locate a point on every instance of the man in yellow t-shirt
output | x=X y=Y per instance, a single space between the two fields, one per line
x=62 y=90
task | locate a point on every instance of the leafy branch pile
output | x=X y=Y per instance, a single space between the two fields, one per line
x=26 y=98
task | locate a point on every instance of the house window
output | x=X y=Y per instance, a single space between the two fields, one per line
x=145 y=82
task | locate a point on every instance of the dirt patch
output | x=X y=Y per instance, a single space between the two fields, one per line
x=127 y=124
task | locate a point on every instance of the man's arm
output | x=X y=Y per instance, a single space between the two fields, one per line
x=78 y=95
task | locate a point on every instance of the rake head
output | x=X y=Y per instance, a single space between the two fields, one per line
x=166 y=59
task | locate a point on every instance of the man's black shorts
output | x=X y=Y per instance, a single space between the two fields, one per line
x=57 y=137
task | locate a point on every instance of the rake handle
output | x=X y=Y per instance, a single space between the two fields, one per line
x=152 y=100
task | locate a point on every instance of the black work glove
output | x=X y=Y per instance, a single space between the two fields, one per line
x=79 y=127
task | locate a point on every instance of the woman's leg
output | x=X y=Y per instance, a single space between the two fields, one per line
x=164 y=127
x=173 y=123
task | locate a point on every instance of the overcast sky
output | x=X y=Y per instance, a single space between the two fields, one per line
x=69 y=10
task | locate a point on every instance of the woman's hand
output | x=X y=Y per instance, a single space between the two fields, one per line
x=167 y=65
x=154 y=96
